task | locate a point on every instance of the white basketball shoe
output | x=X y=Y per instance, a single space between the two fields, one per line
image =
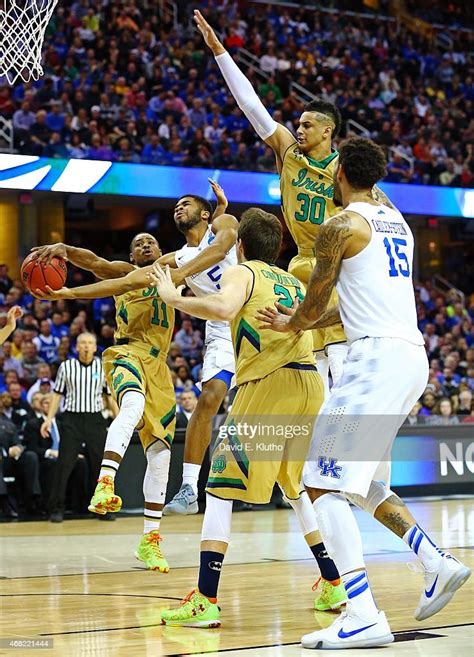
x=441 y=585
x=351 y=631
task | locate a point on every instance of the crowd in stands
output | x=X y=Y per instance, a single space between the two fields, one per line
x=122 y=83
x=447 y=324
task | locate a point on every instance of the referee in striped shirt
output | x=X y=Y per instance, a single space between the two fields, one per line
x=82 y=381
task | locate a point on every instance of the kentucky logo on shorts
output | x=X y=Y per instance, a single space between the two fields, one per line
x=329 y=468
x=218 y=464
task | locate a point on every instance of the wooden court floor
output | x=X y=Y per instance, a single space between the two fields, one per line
x=78 y=586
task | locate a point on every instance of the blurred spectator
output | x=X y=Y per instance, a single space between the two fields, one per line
x=20 y=463
x=428 y=403
x=10 y=362
x=44 y=384
x=414 y=416
x=443 y=413
x=465 y=403
x=30 y=362
x=46 y=344
x=187 y=404
x=19 y=409
x=189 y=340
x=47 y=450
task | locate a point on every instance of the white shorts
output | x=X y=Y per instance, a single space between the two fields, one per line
x=353 y=435
x=219 y=356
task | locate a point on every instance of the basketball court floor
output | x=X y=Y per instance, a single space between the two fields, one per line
x=77 y=587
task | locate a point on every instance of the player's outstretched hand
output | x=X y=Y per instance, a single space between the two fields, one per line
x=13 y=314
x=52 y=295
x=270 y=318
x=210 y=37
x=219 y=193
x=164 y=284
x=46 y=253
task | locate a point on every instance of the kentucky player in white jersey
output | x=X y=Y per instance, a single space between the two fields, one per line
x=215 y=240
x=366 y=251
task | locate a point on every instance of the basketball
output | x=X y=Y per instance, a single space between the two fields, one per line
x=36 y=276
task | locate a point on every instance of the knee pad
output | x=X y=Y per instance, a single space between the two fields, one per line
x=377 y=494
x=324 y=521
x=132 y=407
x=158 y=458
x=217 y=521
x=304 y=512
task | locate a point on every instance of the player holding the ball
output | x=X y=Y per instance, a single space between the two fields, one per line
x=39 y=274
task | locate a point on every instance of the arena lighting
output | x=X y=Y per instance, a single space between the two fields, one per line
x=29 y=173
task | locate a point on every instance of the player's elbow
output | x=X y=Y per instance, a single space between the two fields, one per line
x=223 y=313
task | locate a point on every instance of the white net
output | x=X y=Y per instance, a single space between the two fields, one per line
x=22 y=27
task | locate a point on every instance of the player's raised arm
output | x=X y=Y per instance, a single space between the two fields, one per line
x=83 y=258
x=13 y=314
x=277 y=136
x=221 y=198
x=235 y=284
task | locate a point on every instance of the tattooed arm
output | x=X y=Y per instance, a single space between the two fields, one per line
x=328 y=318
x=382 y=198
x=330 y=245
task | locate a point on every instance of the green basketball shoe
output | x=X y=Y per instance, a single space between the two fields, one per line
x=149 y=552
x=194 y=611
x=331 y=596
x=104 y=498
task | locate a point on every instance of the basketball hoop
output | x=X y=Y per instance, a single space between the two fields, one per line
x=22 y=27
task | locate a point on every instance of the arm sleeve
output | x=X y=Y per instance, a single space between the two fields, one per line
x=246 y=98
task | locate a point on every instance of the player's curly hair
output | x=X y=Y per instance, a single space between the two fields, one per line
x=363 y=161
x=328 y=109
x=261 y=234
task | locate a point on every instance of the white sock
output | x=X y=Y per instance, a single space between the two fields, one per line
x=191 y=475
x=424 y=548
x=151 y=520
x=158 y=458
x=336 y=358
x=322 y=364
x=121 y=430
x=359 y=594
x=343 y=543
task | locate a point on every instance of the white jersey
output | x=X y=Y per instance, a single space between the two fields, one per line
x=207 y=282
x=375 y=287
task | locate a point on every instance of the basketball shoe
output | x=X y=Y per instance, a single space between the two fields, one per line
x=104 y=498
x=440 y=586
x=195 y=610
x=332 y=596
x=149 y=552
x=350 y=630
x=184 y=503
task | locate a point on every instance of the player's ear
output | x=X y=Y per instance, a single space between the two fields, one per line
x=132 y=259
x=205 y=215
